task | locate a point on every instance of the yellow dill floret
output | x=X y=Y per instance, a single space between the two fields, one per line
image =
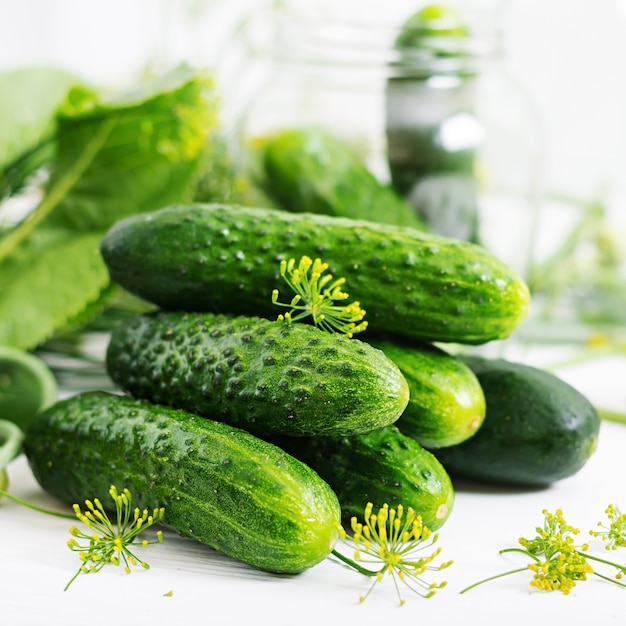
x=561 y=572
x=557 y=563
x=316 y=294
x=392 y=540
x=615 y=533
x=109 y=543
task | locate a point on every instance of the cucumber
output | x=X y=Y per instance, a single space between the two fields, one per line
x=437 y=176
x=538 y=429
x=261 y=375
x=446 y=401
x=226 y=259
x=382 y=466
x=308 y=170
x=219 y=485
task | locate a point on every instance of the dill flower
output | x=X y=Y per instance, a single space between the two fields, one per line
x=557 y=563
x=561 y=572
x=392 y=540
x=615 y=532
x=563 y=565
x=108 y=543
x=316 y=294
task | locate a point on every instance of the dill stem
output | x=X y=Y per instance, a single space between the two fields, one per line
x=72 y=579
x=607 y=578
x=486 y=580
x=353 y=565
x=34 y=507
x=604 y=561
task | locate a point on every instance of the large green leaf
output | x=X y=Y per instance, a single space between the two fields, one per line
x=149 y=143
x=114 y=157
x=29 y=99
x=46 y=283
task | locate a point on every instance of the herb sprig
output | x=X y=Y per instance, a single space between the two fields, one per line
x=108 y=543
x=615 y=533
x=316 y=296
x=394 y=541
x=104 y=542
x=557 y=563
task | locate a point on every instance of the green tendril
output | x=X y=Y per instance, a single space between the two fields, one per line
x=106 y=543
x=316 y=294
x=392 y=540
x=11 y=438
x=557 y=564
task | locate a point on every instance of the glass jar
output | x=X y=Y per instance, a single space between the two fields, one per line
x=444 y=123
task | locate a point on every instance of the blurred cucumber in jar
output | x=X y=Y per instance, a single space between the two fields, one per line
x=309 y=169
x=465 y=140
x=433 y=132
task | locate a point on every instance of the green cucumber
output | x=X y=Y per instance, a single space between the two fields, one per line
x=261 y=375
x=382 y=467
x=446 y=401
x=226 y=259
x=219 y=485
x=538 y=429
x=434 y=132
x=307 y=170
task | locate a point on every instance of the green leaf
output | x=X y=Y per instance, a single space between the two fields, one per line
x=114 y=157
x=29 y=99
x=46 y=283
x=149 y=158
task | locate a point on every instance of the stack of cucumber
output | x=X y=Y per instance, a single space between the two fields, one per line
x=260 y=436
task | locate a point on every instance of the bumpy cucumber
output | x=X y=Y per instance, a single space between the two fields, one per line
x=219 y=485
x=446 y=403
x=226 y=259
x=307 y=170
x=382 y=466
x=538 y=429
x=264 y=376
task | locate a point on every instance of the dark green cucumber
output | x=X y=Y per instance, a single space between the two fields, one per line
x=261 y=375
x=219 y=485
x=446 y=402
x=307 y=170
x=538 y=429
x=435 y=175
x=382 y=466
x=226 y=259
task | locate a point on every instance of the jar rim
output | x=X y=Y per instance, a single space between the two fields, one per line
x=360 y=43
